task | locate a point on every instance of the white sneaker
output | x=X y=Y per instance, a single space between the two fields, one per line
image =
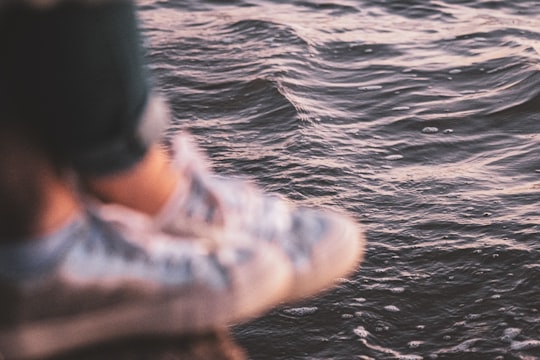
x=98 y=280
x=322 y=246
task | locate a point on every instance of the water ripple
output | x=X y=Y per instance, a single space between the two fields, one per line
x=420 y=118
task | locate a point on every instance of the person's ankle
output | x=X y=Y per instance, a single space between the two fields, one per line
x=60 y=203
x=147 y=187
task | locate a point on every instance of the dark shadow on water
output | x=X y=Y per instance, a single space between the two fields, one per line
x=213 y=346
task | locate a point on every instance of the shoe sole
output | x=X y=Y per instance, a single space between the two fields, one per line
x=337 y=256
x=260 y=286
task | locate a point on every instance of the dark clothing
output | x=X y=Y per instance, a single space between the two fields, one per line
x=73 y=74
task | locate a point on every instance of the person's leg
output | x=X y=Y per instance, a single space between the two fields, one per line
x=145 y=187
x=71 y=278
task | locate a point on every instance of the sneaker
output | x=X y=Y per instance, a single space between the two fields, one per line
x=99 y=280
x=322 y=246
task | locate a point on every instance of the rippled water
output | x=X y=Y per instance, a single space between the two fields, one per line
x=421 y=118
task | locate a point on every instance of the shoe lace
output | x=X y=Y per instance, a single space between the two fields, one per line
x=170 y=267
x=104 y=237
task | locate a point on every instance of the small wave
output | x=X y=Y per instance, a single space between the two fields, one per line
x=464 y=346
x=332 y=8
x=525 y=345
x=256 y=30
x=510 y=333
x=325 y=101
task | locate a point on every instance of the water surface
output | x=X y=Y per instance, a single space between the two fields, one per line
x=420 y=118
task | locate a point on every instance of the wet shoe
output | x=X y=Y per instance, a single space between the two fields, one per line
x=96 y=280
x=322 y=246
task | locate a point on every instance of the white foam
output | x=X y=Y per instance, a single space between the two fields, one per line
x=415 y=344
x=401 y=108
x=394 y=157
x=301 y=311
x=473 y=316
x=370 y=88
x=430 y=130
x=361 y=332
x=392 y=308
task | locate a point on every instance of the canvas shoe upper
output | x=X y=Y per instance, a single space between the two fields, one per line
x=96 y=280
x=321 y=245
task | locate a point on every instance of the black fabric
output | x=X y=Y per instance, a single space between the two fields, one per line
x=74 y=74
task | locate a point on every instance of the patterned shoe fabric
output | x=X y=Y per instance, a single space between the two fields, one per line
x=321 y=245
x=98 y=280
